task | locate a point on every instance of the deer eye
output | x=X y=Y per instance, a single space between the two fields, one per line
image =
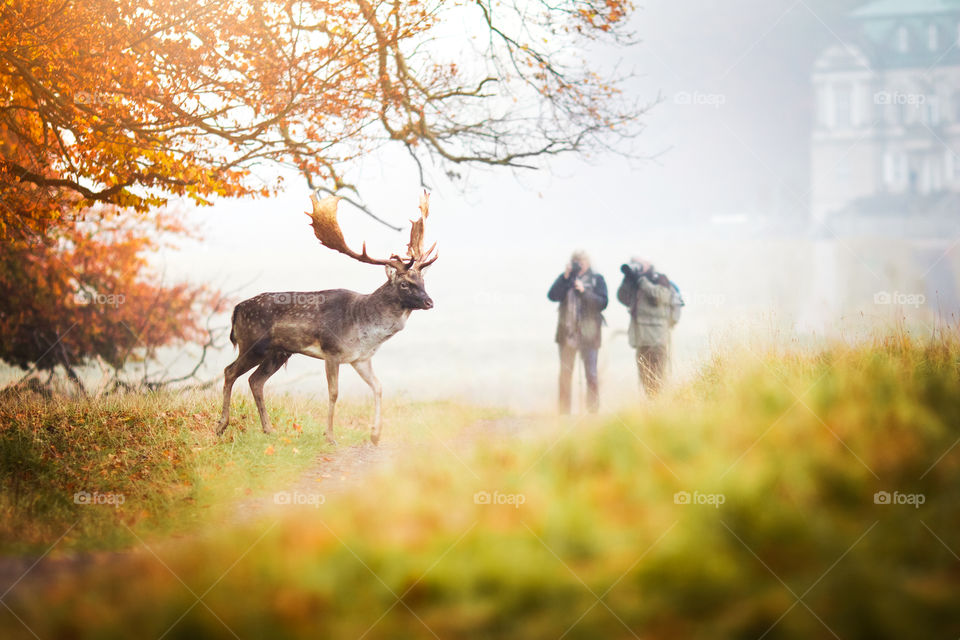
x=404 y=286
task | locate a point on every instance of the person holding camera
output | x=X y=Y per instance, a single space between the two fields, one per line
x=654 y=304
x=582 y=295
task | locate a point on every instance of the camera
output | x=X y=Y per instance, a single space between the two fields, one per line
x=632 y=270
x=576 y=268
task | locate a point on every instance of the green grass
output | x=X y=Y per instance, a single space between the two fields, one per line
x=797 y=443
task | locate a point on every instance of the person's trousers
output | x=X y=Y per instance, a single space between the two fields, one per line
x=652 y=365
x=568 y=355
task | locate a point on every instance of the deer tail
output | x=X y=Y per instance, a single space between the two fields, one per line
x=233 y=327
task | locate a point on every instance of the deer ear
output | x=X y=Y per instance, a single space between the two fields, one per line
x=391 y=272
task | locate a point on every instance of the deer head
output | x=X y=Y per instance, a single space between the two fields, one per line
x=404 y=275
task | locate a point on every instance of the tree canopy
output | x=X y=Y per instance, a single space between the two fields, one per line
x=132 y=102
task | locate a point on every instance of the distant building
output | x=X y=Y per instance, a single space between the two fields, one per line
x=886 y=142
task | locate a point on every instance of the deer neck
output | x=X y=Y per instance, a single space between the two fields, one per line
x=385 y=304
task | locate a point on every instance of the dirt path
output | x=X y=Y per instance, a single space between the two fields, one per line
x=335 y=473
x=330 y=475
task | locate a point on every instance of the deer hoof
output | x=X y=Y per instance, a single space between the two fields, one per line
x=331 y=441
x=221 y=428
x=375 y=438
x=268 y=430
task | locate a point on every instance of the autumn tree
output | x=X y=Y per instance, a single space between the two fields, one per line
x=87 y=293
x=132 y=102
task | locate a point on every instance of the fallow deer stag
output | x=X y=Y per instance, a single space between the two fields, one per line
x=337 y=326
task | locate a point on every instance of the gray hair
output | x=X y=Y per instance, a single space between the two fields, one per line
x=580 y=256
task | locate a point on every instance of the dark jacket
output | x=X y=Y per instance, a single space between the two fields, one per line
x=585 y=329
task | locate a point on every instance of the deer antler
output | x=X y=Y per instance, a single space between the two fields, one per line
x=327 y=230
x=420 y=259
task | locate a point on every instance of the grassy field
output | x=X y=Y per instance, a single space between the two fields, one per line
x=782 y=494
x=149 y=466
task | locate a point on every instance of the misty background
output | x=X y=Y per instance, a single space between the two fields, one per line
x=721 y=205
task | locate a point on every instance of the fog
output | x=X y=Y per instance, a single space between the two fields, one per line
x=721 y=203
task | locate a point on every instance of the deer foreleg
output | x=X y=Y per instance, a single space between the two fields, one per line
x=333 y=389
x=365 y=369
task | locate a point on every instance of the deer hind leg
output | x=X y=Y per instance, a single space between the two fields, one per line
x=333 y=390
x=365 y=369
x=244 y=362
x=267 y=368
